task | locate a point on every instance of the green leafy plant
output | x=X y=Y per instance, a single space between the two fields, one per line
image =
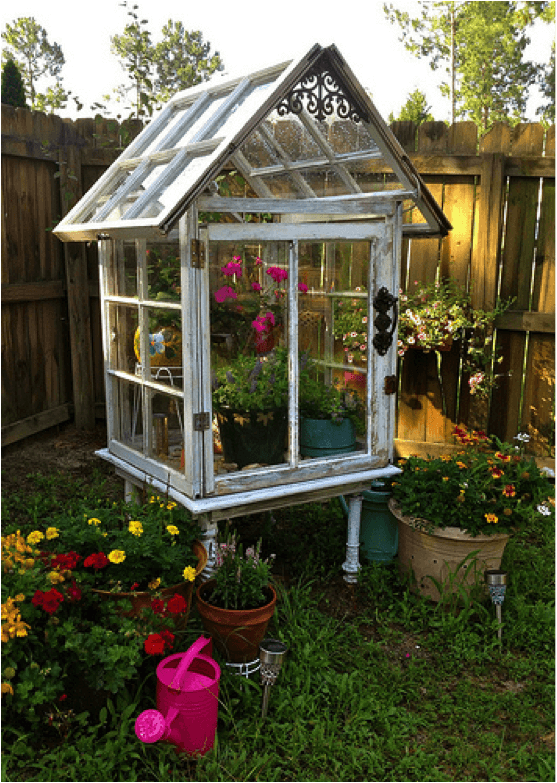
x=242 y=575
x=484 y=488
x=333 y=402
x=252 y=383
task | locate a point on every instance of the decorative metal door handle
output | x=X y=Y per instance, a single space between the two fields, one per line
x=382 y=302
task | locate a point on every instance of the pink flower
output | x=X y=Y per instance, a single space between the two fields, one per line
x=258 y=261
x=256 y=286
x=225 y=293
x=277 y=273
x=232 y=268
x=303 y=288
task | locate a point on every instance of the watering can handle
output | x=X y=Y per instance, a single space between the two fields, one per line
x=187 y=659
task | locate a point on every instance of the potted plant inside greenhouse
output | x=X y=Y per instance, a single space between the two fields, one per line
x=456 y=512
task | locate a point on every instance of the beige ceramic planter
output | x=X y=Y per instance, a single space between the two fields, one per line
x=440 y=553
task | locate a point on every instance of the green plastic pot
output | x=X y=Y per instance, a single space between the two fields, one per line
x=324 y=438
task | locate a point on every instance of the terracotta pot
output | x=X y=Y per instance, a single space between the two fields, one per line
x=139 y=600
x=237 y=633
x=437 y=555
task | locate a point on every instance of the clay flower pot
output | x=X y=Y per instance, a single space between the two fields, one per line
x=437 y=555
x=237 y=633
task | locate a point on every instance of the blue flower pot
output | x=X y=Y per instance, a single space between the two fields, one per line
x=323 y=437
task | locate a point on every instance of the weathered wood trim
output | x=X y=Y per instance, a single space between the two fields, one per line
x=366 y=204
x=284 y=232
x=24 y=428
x=33 y=292
x=516 y=321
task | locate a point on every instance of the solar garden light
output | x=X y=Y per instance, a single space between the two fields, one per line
x=497 y=584
x=271 y=655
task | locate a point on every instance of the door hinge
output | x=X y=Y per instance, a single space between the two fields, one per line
x=197 y=249
x=390 y=384
x=201 y=421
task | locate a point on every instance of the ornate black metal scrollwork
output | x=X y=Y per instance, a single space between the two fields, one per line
x=382 y=302
x=320 y=93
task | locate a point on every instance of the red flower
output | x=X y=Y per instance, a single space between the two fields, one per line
x=63 y=697
x=154 y=644
x=73 y=592
x=38 y=598
x=157 y=606
x=176 y=604
x=51 y=600
x=168 y=638
x=96 y=561
x=134 y=586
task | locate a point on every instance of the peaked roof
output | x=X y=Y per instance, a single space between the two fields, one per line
x=335 y=134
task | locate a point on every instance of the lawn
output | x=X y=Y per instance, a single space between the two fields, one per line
x=379 y=684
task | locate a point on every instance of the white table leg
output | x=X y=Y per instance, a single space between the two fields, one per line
x=352 y=564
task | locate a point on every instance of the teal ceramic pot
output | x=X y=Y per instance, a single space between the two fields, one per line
x=324 y=438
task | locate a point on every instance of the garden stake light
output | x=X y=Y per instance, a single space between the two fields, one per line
x=271 y=654
x=497 y=584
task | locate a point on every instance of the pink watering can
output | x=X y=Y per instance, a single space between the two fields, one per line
x=187 y=701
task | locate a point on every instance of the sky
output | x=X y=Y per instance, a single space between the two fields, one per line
x=248 y=36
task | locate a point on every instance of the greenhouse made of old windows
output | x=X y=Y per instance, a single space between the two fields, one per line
x=249 y=242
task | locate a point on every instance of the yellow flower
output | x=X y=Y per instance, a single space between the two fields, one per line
x=445 y=478
x=7 y=688
x=35 y=537
x=19 y=597
x=117 y=556
x=189 y=573
x=461 y=465
x=51 y=532
x=154 y=584
x=446 y=458
x=173 y=530
x=491 y=518
x=94 y=521
x=135 y=528
x=55 y=577
x=171 y=505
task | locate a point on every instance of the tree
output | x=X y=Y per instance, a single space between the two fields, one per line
x=415 y=109
x=182 y=59
x=135 y=49
x=13 y=90
x=157 y=71
x=547 y=87
x=480 y=45
x=28 y=45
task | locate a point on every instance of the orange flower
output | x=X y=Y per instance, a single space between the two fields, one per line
x=497 y=473
x=509 y=491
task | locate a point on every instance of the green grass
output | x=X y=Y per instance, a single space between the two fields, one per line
x=378 y=683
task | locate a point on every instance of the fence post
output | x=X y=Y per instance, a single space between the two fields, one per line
x=79 y=315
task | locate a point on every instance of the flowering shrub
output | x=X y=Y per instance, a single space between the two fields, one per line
x=486 y=487
x=241 y=577
x=126 y=547
x=350 y=325
x=57 y=633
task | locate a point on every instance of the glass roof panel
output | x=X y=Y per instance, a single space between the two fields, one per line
x=289 y=130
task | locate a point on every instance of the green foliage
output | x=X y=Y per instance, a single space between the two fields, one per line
x=157 y=71
x=241 y=577
x=319 y=400
x=26 y=42
x=13 y=91
x=252 y=383
x=480 y=46
x=415 y=109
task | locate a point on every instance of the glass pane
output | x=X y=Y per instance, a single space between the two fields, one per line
x=163 y=271
x=167 y=439
x=165 y=347
x=121 y=270
x=122 y=326
x=127 y=414
x=249 y=361
x=333 y=324
x=118 y=180
x=169 y=191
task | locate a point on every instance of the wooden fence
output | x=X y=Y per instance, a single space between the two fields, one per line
x=497 y=191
